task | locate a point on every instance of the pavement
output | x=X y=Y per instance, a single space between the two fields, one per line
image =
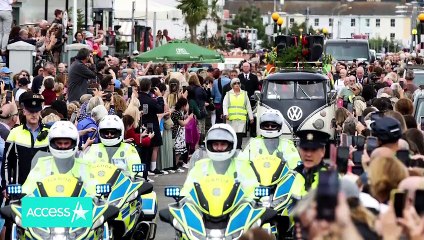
x=165 y=230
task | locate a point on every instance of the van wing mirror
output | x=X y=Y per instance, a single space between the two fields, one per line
x=256 y=96
x=332 y=95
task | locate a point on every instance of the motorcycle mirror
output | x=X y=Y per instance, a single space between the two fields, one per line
x=103 y=189
x=172 y=192
x=138 y=168
x=262 y=192
x=14 y=189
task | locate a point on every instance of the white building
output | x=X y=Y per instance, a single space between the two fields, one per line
x=341 y=18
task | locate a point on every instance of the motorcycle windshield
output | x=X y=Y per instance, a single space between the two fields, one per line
x=267 y=160
x=217 y=193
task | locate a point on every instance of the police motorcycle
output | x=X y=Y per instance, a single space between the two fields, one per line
x=137 y=210
x=216 y=208
x=272 y=159
x=57 y=187
x=135 y=198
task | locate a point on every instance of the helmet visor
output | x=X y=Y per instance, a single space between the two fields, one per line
x=219 y=146
x=270 y=126
x=110 y=133
x=63 y=143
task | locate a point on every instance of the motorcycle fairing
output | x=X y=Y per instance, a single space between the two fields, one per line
x=282 y=192
x=149 y=203
x=268 y=169
x=216 y=194
x=243 y=218
x=189 y=218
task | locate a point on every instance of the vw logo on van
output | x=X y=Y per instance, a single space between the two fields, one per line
x=294 y=113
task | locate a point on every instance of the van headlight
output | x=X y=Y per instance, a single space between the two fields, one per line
x=318 y=124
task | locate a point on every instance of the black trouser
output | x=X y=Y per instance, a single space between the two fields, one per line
x=145 y=156
x=218 y=113
x=239 y=140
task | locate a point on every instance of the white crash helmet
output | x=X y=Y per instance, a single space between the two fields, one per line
x=111 y=122
x=271 y=116
x=221 y=132
x=63 y=130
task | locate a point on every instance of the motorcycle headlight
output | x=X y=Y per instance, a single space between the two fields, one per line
x=58 y=234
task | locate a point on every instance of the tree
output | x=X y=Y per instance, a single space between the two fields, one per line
x=194 y=12
x=214 y=14
x=80 y=17
x=251 y=17
x=295 y=29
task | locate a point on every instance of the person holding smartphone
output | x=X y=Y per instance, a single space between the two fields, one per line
x=150 y=108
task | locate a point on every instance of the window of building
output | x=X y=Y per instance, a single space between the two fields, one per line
x=392 y=36
x=392 y=22
x=367 y=22
x=377 y=22
x=316 y=22
x=330 y=22
x=291 y=21
x=352 y=22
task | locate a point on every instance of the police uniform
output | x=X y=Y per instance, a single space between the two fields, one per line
x=240 y=170
x=23 y=143
x=307 y=179
x=285 y=150
x=46 y=166
x=125 y=156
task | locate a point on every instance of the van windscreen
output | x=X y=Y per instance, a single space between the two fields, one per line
x=347 y=50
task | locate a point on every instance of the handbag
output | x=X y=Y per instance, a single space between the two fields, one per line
x=211 y=106
x=168 y=123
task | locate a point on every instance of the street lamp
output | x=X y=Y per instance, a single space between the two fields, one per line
x=280 y=22
x=275 y=16
x=325 y=32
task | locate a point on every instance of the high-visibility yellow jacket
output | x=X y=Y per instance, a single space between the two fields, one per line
x=237 y=106
x=238 y=169
x=46 y=166
x=125 y=156
x=20 y=148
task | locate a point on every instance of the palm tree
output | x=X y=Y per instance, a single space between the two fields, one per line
x=194 y=11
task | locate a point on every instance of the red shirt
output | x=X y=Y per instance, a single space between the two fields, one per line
x=49 y=96
x=130 y=133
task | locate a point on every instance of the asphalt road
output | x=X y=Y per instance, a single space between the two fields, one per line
x=164 y=230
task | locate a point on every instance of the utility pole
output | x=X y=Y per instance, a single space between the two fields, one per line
x=132 y=48
x=413 y=25
x=307 y=20
x=74 y=18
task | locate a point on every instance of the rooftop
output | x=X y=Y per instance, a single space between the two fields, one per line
x=321 y=7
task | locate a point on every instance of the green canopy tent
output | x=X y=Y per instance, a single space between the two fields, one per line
x=180 y=52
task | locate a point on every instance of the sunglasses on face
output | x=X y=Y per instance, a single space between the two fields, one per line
x=112 y=84
x=124 y=61
x=236 y=83
x=354 y=89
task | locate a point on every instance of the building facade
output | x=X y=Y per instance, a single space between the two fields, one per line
x=342 y=18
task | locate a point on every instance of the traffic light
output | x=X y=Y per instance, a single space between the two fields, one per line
x=315 y=48
x=282 y=42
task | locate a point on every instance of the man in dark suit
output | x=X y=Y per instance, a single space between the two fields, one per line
x=151 y=107
x=249 y=80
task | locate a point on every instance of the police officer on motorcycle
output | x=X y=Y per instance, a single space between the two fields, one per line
x=221 y=142
x=312 y=150
x=111 y=148
x=63 y=145
x=269 y=142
